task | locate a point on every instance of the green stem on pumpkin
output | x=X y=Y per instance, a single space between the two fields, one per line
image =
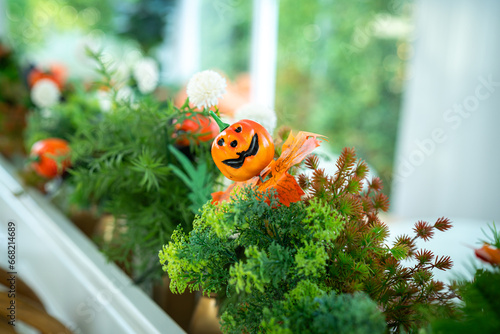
x=34 y=158
x=222 y=126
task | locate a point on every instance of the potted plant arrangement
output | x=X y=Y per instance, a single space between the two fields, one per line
x=145 y=165
x=280 y=250
x=283 y=252
x=142 y=166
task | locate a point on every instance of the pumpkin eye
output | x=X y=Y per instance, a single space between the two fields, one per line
x=238 y=129
x=234 y=143
x=220 y=142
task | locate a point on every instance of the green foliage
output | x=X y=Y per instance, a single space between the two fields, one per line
x=494 y=237
x=255 y=253
x=125 y=163
x=13 y=103
x=204 y=264
x=308 y=309
x=63 y=119
x=480 y=311
x=145 y=21
x=12 y=90
x=480 y=307
x=32 y=21
x=196 y=178
x=248 y=248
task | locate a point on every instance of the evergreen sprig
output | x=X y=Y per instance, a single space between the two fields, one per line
x=62 y=120
x=493 y=238
x=125 y=162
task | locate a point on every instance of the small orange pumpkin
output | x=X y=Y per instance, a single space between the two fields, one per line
x=242 y=150
x=197 y=127
x=57 y=73
x=50 y=157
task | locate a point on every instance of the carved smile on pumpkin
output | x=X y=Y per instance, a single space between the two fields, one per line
x=252 y=150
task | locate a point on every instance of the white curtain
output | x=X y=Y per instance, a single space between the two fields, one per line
x=180 y=51
x=448 y=155
x=264 y=51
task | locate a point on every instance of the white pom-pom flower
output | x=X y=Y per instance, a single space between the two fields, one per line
x=259 y=113
x=125 y=95
x=147 y=75
x=205 y=88
x=45 y=93
x=121 y=72
x=104 y=100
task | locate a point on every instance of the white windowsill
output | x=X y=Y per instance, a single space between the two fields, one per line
x=66 y=270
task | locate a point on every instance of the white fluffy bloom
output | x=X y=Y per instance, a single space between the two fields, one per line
x=125 y=94
x=45 y=93
x=121 y=72
x=259 y=113
x=104 y=100
x=147 y=75
x=205 y=88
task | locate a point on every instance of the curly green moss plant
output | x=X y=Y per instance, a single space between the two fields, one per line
x=307 y=309
x=254 y=253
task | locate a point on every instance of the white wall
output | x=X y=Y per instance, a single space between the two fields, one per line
x=448 y=154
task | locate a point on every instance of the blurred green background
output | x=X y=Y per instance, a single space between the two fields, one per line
x=341 y=73
x=340 y=66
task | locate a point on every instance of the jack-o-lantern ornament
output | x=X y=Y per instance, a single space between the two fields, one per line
x=242 y=150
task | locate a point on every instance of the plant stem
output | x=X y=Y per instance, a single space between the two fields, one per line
x=222 y=126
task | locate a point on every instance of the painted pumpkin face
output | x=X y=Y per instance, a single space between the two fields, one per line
x=243 y=150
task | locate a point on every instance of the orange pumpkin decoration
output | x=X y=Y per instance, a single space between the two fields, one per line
x=242 y=150
x=57 y=73
x=488 y=254
x=50 y=157
x=198 y=127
